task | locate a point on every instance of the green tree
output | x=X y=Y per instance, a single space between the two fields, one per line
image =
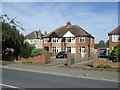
x=115 y=54
x=11 y=37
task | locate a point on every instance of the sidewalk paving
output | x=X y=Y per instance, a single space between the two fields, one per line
x=65 y=71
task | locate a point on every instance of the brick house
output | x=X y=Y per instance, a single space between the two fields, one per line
x=34 y=39
x=70 y=38
x=114 y=38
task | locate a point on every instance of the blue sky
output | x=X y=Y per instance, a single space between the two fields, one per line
x=97 y=18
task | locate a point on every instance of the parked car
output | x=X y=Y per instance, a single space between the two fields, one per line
x=61 y=55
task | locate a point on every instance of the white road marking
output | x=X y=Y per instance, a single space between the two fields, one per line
x=10 y=86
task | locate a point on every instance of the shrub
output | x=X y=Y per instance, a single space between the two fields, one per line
x=36 y=52
x=26 y=50
x=100 y=66
x=115 y=54
x=104 y=66
x=107 y=66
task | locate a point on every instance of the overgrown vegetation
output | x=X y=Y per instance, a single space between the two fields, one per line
x=115 y=54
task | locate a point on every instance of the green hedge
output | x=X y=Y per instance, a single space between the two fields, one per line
x=29 y=51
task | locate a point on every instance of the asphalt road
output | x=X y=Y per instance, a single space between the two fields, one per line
x=25 y=79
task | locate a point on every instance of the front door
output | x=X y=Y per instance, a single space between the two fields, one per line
x=82 y=50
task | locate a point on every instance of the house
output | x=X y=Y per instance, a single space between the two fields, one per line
x=34 y=39
x=114 y=38
x=70 y=38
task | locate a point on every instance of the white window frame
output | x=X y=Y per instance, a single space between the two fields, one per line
x=72 y=49
x=82 y=38
x=46 y=40
x=81 y=50
x=72 y=39
x=31 y=40
x=55 y=40
x=115 y=38
x=56 y=49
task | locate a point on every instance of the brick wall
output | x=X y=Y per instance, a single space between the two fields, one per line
x=43 y=58
x=97 y=62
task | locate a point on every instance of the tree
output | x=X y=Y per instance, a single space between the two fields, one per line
x=101 y=42
x=115 y=54
x=11 y=37
x=107 y=43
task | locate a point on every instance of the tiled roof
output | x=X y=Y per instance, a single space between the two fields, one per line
x=34 y=35
x=74 y=29
x=115 y=31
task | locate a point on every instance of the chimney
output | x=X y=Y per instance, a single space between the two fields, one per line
x=39 y=34
x=45 y=33
x=68 y=24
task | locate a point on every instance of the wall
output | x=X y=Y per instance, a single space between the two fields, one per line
x=43 y=58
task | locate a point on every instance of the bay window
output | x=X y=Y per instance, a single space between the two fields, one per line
x=56 y=49
x=70 y=49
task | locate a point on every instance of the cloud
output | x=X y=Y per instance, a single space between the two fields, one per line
x=49 y=16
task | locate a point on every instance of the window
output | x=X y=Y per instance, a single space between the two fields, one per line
x=56 y=49
x=55 y=40
x=82 y=39
x=46 y=40
x=70 y=39
x=70 y=49
x=32 y=41
x=115 y=38
x=82 y=49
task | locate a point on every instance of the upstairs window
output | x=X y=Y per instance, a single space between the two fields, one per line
x=55 y=40
x=46 y=40
x=82 y=39
x=70 y=39
x=32 y=41
x=115 y=38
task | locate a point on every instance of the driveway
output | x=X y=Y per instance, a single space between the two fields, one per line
x=57 y=61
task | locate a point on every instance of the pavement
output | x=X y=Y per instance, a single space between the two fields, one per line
x=65 y=71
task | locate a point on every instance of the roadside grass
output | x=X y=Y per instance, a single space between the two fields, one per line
x=31 y=63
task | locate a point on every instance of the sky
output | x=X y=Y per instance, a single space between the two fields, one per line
x=97 y=18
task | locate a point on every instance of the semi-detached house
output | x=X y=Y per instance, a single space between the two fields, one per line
x=70 y=38
x=114 y=38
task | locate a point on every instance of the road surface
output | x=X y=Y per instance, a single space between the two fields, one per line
x=26 y=79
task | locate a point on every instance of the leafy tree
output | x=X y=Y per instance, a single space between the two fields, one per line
x=102 y=42
x=107 y=43
x=11 y=37
x=115 y=54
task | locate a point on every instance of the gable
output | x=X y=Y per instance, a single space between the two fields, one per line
x=68 y=34
x=54 y=35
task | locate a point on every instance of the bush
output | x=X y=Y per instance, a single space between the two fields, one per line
x=115 y=54
x=36 y=52
x=107 y=66
x=26 y=50
x=104 y=66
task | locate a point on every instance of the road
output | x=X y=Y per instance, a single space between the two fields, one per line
x=26 y=79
